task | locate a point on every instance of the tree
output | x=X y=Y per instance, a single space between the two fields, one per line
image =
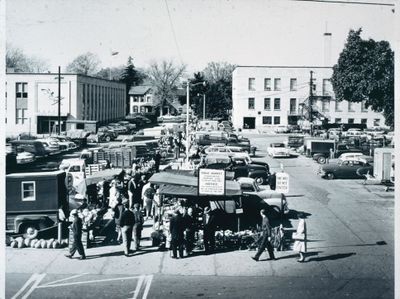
x=216 y=71
x=115 y=72
x=365 y=72
x=86 y=64
x=20 y=62
x=165 y=78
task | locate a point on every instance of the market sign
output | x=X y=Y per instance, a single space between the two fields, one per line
x=282 y=182
x=211 y=181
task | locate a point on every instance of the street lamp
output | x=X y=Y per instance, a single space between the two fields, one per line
x=187 y=113
x=204 y=104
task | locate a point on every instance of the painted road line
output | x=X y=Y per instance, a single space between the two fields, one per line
x=64 y=279
x=35 y=284
x=87 y=281
x=31 y=280
x=148 y=284
x=138 y=287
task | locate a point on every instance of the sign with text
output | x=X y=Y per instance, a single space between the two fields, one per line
x=211 y=181
x=282 y=182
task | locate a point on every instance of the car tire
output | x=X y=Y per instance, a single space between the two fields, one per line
x=30 y=231
x=321 y=160
x=108 y=138
x=259 y=180
x=330 y=176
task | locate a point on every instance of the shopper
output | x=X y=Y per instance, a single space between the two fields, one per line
x=131 y=190
x=190 y=229
x=76 y=228
x=138 y=226
x=177 y=228
x=300 y=237
x=118 y=211
x=127 y=223
x=209 y=230
x=147 y=197
x=265 y=238
x=157 y=160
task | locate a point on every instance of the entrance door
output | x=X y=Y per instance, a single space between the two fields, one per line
x=249 y=122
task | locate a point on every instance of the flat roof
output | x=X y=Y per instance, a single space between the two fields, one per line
x=63 y=74
x=285 y=66
x=34 y=174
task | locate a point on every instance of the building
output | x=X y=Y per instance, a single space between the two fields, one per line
x=264 y=97
x=141 y=100
x=32 y=101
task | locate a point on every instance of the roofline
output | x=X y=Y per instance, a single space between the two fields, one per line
x=285 y=66
x=63 y=74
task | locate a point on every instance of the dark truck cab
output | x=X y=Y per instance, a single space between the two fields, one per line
x=244 y=143
x=33 y=201
x=337 y=151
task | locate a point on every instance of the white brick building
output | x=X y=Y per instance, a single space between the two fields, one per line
x=267 y=96
x=31 y=101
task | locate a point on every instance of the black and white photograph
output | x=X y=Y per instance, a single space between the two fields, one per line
x=199 y=149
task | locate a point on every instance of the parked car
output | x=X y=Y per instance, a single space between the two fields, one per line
x=105 y=132
x=64 y=143
x=346 y=170
x=50 y=145
x=32 y=146
x=276 y=150
x=130 y=127
x=271 y=197
x=281 y=129
x=118 y=128
x=231 y=151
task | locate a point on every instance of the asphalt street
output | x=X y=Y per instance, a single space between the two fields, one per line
x=351 y=253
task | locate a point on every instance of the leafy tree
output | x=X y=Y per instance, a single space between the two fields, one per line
x=115 y=72
x=365 y=72
x=216 y=71
x=20 y=62
x=165 y=78
x=86 y=64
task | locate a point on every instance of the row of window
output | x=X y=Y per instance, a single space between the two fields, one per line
x=267 y=120
x=141 y=109
x=292 y=85
x=141 y=99
x=377 y=121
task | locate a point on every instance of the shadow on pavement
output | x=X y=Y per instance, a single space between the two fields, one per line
x=332 y=257
x=296 y=255
x=378 y=243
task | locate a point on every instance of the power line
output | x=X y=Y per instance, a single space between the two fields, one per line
x=347 y=2
x=173 y=32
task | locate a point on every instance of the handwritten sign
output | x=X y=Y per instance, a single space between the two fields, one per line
x=211 y=181
x=282 y=182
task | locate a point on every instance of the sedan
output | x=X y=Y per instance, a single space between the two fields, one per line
x=277 y=150
x=346 y=170
x=231 y=151
x=118 y=128
x=25 y=157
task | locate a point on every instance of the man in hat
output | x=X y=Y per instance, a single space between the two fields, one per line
x=127 y=222
x=209 y=230
x=265 y=239
x=177 y=228
x=76 y=228
x=138 y=225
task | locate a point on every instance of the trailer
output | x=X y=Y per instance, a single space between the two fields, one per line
x=384 y=164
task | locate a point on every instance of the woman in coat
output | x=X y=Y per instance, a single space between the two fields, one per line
x=300 y=237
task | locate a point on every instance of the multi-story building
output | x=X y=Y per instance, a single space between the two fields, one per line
x=32 y=101
x=268 y=96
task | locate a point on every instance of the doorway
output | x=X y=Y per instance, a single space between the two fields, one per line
x=249 y=122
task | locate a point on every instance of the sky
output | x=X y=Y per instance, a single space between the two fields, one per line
x=241 y=32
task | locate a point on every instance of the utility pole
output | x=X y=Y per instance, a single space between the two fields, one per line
x=204 y=106
x=310 y=103
x=59 y=100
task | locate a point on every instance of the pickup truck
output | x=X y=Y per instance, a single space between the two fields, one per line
x=337 y=151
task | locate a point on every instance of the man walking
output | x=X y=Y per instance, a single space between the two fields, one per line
x=127 y=222
x=265 y=239
x=177 y=228
x=209 y=230
x=138 y=225
x=76 y=228
x=157 y=160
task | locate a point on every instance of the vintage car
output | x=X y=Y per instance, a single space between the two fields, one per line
x=231 y=151
x=271 y=197
x=118 y=128
x=278 y=150
x=346 y=170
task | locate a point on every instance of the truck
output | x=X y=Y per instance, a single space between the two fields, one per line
x=320 y=150
x=34 y=201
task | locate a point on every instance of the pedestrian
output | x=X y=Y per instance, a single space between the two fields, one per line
x=176 y=228
x=127 y=223
x=131 y=190
x=265 y=238
x=157 y=160
x=138 y=226
x=148 y=196
x=106 y=192
x=190 y=229
x=300 y=237
x=177 y=149
x=76 y=228
x=209 y=230
x=118 y=211
x=113 y=194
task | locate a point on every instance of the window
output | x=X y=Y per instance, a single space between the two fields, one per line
x=142 y=99
x=135 y=99
x=292 y=105
x=252 y=83
x=325 y=87
x=325 y=106
x=277 y=104
x=364 y=121
x=351 y=121
x=267 y=120
x=363 y=108
x=293 y=84
x=337 y=106
x=21 y=116
x=338 y=120
x=267 y=84
x=28 y=191
x=135 y=109
x=377 y=122
x=277 y=84
x=148 y=99
x=251 y=103
x=350 y=107
x=267 y=104
x=21 y=90
x=277 y=120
